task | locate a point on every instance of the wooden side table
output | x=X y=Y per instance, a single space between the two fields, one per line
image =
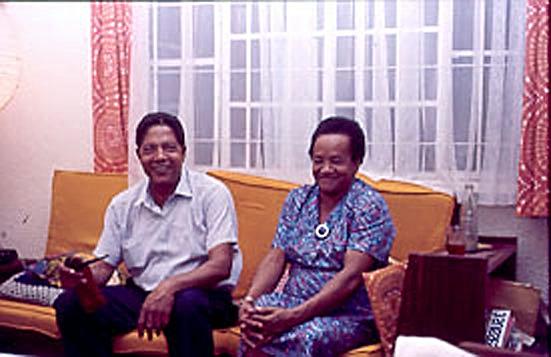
x=445 y=295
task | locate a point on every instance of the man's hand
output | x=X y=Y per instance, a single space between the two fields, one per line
x=156 y=309
x=70 y=278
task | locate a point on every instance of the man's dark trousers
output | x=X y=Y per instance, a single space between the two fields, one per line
x=189 y=333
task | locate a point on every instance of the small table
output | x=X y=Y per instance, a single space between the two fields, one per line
x=445 y=295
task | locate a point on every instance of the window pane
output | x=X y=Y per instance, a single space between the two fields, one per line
x=169 y=35
x=320 y=15
x=392 y=84
x=255 y=124
x=255 y=26
x=431 y=12
x=237 y=123
x=345 y=15
x=255 y=54
x=368 y=123
x=431 y=83
x=428 y=127
x=431 y=48
x=203 y=31
x=391 y=48
x=203 y=88
x=169 y=89
x=255 y=87
x=369 y=51
x=429 y=152
x=390 y=13
x=346 y=112
x=369 y=13
x=462 y=85
x=203 y=153
x=238 y=56
x=463 y=14
x=238 y=18
x=345 y=52
x=368 y=85
x=238 y=154
x=488 y=24
x=344 y=85
x=237 y=90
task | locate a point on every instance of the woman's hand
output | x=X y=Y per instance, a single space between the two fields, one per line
x=249 y=327
x=156 y=309
x=261 y=325
x=273 y=321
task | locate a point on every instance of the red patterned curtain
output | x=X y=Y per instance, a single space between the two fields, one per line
x=533 y=178
x=111 y=27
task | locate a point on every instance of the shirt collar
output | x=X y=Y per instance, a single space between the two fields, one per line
x=182 y=189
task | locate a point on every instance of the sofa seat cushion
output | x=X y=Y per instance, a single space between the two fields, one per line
x=28 y=317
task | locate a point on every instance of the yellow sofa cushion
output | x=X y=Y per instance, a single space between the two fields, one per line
x=258 y=202
x=79 y=200
x=420 y=215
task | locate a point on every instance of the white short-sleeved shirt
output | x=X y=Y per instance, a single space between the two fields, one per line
x=156 y=243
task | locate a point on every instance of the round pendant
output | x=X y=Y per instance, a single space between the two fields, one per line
x=322 y=231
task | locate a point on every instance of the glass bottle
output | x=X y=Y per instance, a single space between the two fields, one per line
x=469 y=218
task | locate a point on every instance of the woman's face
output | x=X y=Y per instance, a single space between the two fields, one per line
x=332 y=164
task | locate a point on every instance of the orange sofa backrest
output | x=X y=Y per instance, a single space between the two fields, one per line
x=258 y=202
x=79 y=201
x=420 y=215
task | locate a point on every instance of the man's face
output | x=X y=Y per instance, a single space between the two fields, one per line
x=332 y=164
x=161 y=156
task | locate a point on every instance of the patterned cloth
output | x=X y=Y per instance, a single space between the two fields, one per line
x=360 y=222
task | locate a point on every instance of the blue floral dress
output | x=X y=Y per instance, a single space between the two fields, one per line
x=360 y=222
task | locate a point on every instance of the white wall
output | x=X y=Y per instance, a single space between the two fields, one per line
x=532 y=240
x=48 y=123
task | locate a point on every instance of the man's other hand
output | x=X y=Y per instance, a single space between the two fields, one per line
x=156 y=309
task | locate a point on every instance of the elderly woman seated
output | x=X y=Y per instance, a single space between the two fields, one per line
x=330 y=233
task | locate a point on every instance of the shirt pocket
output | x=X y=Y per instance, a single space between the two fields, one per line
x=187 y=241
x=134 y=253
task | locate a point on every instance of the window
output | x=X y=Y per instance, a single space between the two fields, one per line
x=435 y=84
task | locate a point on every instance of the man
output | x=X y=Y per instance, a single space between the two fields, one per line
x=176 y=233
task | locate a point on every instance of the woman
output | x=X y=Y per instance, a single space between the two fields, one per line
x=330 y=233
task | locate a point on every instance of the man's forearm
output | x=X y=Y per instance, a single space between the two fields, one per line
x=207 y=275
x=101 y=271
x=216 y=269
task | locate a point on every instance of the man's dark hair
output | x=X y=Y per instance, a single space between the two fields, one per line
x=345 y=126
x=160 y=118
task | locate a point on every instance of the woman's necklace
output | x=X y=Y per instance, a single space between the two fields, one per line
x=322 y=231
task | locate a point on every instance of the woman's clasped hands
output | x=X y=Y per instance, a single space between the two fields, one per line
x=260 y=324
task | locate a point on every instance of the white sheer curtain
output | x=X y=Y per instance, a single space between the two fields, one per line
x=436 y=85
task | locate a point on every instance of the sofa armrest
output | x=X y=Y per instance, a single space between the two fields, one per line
x=384 y=288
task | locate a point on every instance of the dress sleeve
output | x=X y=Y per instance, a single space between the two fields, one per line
x=286 y=222
x=371 y=228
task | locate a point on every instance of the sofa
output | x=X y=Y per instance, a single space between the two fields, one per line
x=79 y=199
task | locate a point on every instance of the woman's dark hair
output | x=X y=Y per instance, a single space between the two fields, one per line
x=160 y=118
x=345 y=126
